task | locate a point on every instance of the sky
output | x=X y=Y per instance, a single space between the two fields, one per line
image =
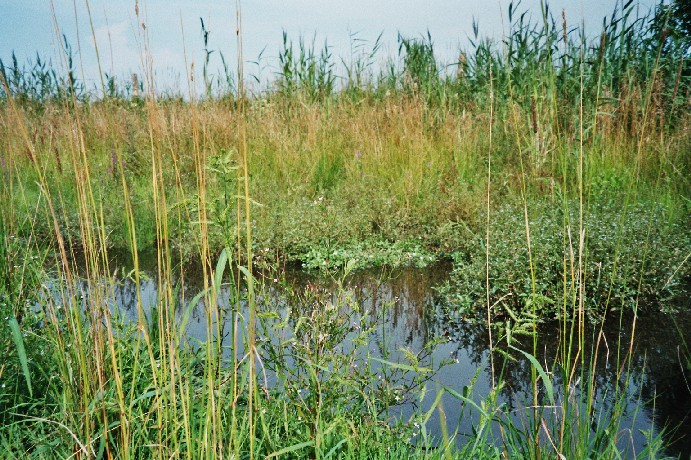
x=174 y=37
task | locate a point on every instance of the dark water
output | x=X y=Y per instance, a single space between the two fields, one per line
x=657 y=396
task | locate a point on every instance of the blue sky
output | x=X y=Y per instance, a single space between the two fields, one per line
x=28 y=27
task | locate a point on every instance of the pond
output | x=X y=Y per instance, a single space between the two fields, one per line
x=657 y=396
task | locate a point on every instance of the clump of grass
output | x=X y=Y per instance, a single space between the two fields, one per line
x=306 y=70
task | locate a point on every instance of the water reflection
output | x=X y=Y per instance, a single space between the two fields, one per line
x=657 y=388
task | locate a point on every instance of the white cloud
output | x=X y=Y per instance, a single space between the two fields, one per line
x=117 y=47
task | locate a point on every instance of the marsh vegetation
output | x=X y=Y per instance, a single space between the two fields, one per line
x=547 y=172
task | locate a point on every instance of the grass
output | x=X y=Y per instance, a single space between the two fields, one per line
x=375 y=172
x=552 y=169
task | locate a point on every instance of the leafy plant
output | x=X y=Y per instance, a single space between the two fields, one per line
x=629 y=261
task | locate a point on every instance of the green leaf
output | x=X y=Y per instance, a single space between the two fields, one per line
x=220 y=269
x=431 y=410
x=248 y=275
x=188 y=312
x=335 y=448
x=148 y=395
x=350 y=266
x=404 y=367
x=549 y=389
x=21 y=351
x=254 y=202
x=293 y=448
x=464 y=398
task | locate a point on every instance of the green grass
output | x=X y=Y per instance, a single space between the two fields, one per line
x=552 y=169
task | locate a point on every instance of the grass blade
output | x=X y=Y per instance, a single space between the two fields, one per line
x=549 y=389
x=21 y=351
x=405 y=367
x=289 y=449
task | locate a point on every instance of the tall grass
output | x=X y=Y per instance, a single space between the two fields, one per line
x=415 y=153
x=533 y=142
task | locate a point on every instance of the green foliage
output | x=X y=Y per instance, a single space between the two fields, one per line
x=368 y=254
x=328 y=172
x=358 y=69
x=389 y=171
x=633 y=257
x=38 y=82
x=21 y=351
x=26 y=364
x=420 y=73
x=20 y=277
x=306 y=70
x=328 y=378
